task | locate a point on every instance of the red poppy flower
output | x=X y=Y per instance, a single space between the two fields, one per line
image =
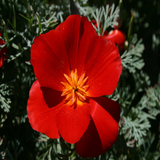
x=3 y=51
x=74 y=68
x=117 y=37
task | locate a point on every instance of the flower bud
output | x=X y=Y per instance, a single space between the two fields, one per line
x=117 y=37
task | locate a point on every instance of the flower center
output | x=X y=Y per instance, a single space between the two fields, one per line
x=75 y=89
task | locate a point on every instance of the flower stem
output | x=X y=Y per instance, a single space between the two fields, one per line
x=73 y=156
x=130 y=28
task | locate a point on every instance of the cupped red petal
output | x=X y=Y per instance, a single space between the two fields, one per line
x=103 y=67
x=72 y=121
x=41 y=117
x=77 y=32
x=49 y=60
x=102 y=130
x=86 y=33
x=70 y=30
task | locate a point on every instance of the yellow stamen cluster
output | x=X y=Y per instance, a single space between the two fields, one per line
x=75 y=89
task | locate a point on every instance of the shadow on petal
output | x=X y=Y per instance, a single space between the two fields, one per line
x=102 y=131
x=110 y=106
x=84 y=148
x=41 y=117
x=52 y=97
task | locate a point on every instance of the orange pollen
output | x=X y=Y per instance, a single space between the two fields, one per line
x=75 y=89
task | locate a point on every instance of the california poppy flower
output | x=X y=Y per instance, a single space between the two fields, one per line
x=3 y=51
x=74 y=68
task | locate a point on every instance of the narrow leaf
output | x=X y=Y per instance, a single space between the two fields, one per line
x=6 y=34
x=24 y=17
x=14 y=20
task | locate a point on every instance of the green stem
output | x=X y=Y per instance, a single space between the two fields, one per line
x=130 y=28
x=73 y=146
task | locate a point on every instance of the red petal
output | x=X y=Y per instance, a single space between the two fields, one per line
x=110 y=106
x=103 y=67
x=70 y=29
x=52 y=97
x=49 y=60
x=73 y=121
x=116 y=36
x=41 y=117
x=101 y=133
x=77 y=33
x=1 y=61
x=86 y=33
x=2 y=41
